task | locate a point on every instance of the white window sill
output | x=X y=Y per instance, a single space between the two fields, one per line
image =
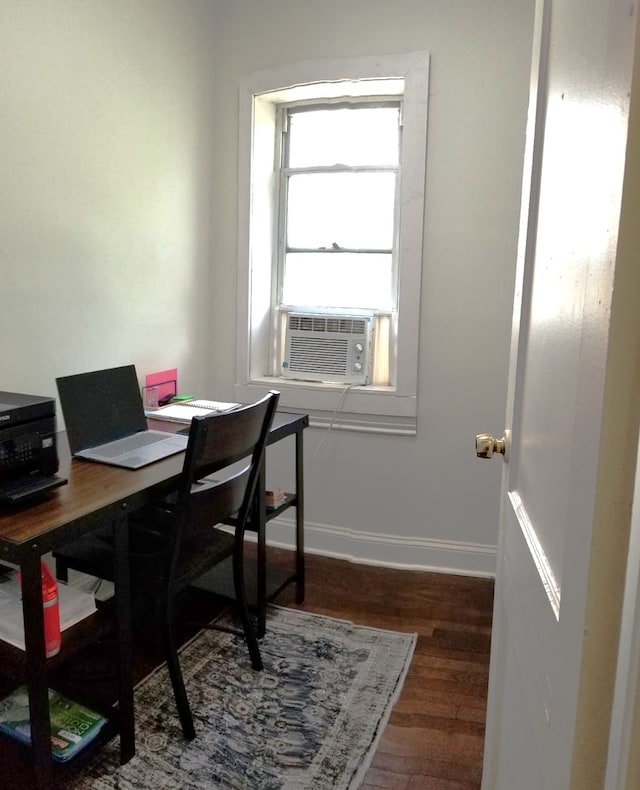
x=370 y=409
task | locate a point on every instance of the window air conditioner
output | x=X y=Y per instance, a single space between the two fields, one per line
x=330 y=347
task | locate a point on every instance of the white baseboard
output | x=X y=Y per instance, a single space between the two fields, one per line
x=393 y=551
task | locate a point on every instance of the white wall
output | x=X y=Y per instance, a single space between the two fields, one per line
x=118 y=241
x=424 y=500
x=106 y=185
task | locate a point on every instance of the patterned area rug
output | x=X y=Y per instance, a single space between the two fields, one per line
x=310 y=719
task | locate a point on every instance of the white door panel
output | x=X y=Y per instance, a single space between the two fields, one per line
x=544 y=432
x=557 y=596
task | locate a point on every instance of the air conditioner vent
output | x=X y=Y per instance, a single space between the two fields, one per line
x=327 y=323
x=328 y=347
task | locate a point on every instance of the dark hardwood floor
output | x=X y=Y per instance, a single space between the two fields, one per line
x=434 y=737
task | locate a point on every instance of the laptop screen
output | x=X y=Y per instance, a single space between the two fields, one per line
x=101 y=406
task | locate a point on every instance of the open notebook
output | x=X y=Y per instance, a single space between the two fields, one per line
x=184 y=411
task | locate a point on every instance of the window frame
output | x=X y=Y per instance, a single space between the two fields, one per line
x=387 y=409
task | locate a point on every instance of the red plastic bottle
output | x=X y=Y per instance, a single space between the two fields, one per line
x=51 y=611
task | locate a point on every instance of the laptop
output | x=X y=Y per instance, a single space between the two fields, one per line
x=105 y=420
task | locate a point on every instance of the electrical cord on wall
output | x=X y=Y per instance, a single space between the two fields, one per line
x=339 y=405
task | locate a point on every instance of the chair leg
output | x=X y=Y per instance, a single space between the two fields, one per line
x=261 y=577
x=177 y=682
x=241 y=601
x=260 y=525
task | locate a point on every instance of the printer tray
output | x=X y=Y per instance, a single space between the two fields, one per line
x=20 y=489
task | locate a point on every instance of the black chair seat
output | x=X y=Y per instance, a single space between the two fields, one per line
x=94 y=556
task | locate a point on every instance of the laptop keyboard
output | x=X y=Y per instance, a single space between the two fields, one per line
x=130 y=443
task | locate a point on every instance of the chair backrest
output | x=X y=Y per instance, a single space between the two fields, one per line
x=234 y=439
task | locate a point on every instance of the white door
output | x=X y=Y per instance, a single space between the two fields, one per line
x=572 y=415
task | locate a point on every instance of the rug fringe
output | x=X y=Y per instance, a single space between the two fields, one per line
x=367 y=758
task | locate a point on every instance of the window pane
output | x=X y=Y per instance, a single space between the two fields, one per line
x=352 y=210
x=347 y=136
x=338 y=280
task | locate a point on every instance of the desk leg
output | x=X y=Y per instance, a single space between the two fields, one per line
x=260 y=525
x=123 y=614
x=300 y=573
x=36 y=670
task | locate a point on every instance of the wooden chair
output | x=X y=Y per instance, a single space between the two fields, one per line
x=175 y=542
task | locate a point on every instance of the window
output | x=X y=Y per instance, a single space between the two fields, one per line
x=337 y=226
x=332 y=178
x=338 y=186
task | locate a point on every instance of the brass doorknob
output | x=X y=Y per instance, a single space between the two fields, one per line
x=487 y=445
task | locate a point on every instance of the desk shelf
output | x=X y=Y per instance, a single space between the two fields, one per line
x=291 y=500
x=30 y=667
x=74 y=639
x=18 y=757
x=219 y=580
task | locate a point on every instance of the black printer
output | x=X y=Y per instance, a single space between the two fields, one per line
x=28 y=450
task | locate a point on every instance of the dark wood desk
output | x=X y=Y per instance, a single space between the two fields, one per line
x=97 y=495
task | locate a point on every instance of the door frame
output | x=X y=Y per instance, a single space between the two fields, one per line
x=623 y=762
